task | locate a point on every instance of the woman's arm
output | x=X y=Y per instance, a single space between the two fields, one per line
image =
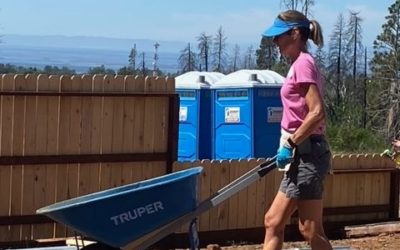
x=315 y=116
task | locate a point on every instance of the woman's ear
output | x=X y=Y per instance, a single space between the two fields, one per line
x=295 y=33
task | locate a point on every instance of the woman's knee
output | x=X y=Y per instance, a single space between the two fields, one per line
x=273 y=222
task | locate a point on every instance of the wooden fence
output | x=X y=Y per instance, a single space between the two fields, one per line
x=361 y=187
x=65 y=136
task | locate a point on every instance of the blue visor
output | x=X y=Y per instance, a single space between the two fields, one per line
x=279 y=27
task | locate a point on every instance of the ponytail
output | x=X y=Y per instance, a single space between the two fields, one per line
x=316 y=33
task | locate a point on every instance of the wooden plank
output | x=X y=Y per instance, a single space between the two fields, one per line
x=137 y=85
x=52 y=143
x=372 y=229
x=106 y=144
x=97 y=130
x=149 y=117
x=117 y=85
x=64 y=148
x=170 y=86
x=150 y=120
x=243 y=198
x=17 y=149
x=127 y=130
x=234 y=200
x=7 y=103
x=204 y=187
x=223 y=208
x=214 y=187
x=160 y=138
x=87 y=172
x=30 y=175
x=73 y=146
x=251 y=199
x=41 y=133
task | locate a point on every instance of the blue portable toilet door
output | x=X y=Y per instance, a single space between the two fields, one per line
x=188 y=129
x=267 y=121
x=232 y=123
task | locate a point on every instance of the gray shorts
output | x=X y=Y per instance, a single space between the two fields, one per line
x=312 y=162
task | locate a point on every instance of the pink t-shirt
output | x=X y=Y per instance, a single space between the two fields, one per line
x=303 y=71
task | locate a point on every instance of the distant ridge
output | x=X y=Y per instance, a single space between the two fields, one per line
x=59 y=41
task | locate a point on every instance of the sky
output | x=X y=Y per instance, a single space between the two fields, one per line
x=173 y=20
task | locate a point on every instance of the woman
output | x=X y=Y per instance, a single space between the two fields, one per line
x=303 y=153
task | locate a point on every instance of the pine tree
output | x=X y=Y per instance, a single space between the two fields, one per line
x=385 y=67
x=267 y=54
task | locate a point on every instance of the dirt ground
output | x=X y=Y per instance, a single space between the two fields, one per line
x=383 y=241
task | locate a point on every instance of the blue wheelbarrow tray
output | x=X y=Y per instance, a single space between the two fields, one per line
x=119 y=216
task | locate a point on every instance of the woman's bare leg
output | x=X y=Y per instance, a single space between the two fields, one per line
x=279 y=212
x=310 y=224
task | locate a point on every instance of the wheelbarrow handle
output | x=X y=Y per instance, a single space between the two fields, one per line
x=267 y=166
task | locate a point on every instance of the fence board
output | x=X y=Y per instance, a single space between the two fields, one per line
x=30 y=172
x=87 y=172
x=106 y=135
x=243 y=198
x=52 y=144
x=205 y=192
x=127 y=130
x=135 y=124
x=65 y=83
x=234 y=200
x=215 y=184
x=251 y=199
x=223 y=208
x=96 y=131
x=42 y=134
x=5 y=149
x=116 y=85
x=17 y=149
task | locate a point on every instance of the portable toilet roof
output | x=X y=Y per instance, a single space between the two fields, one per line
x=197 y=79
x=250 y=78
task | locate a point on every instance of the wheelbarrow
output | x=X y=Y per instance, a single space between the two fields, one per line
x=137 y=215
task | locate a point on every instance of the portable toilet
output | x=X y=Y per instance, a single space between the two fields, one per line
x=247 y=112
x=194 y=139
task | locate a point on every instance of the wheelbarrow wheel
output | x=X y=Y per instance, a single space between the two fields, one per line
x=99 y=246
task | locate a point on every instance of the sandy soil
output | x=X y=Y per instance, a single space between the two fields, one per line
x=383 y=241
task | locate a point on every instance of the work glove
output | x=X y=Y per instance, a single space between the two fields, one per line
x=284 y=157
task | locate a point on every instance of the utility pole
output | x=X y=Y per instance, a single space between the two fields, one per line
x=155 y=59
